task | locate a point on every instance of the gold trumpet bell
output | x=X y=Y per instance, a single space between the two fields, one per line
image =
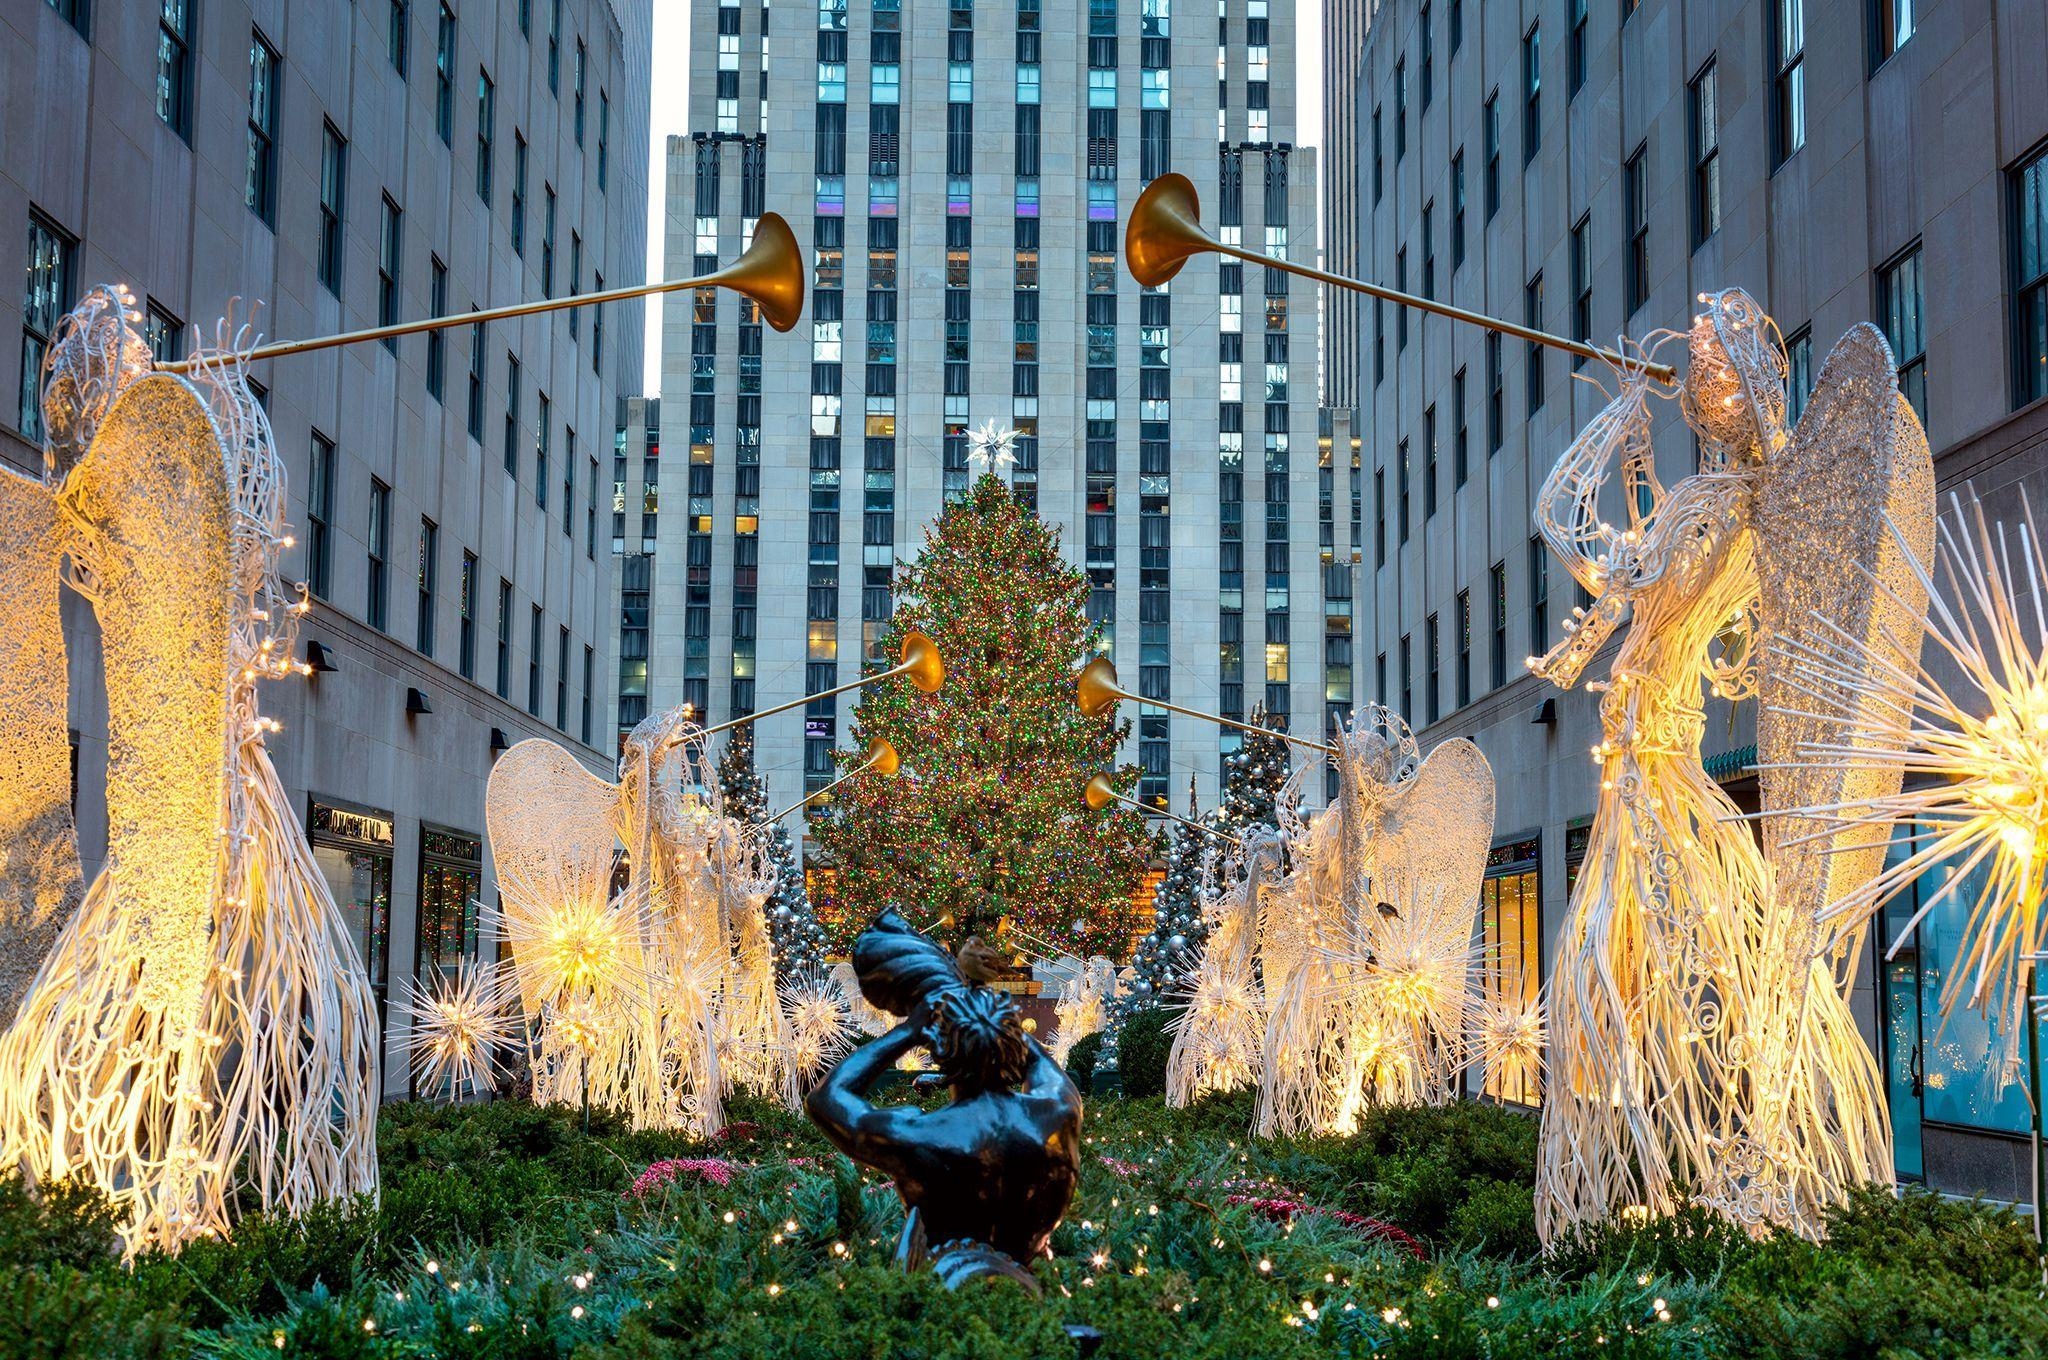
x=882 y=757
x=1099 y=793
x=1096 y=690
x=1165 y=227
x=771 y=272
x=922 y=663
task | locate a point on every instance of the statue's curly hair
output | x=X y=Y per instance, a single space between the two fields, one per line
x=979 y=1037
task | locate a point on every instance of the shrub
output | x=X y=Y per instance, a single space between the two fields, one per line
x=1081 y=1061
x=1144 y=1044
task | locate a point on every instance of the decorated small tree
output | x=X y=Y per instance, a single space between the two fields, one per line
x=793 y=929
x=985 y=832
x=1178 y=931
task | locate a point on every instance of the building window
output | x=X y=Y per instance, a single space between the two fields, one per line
x=596 y=323
x=1460 y=432
x=45 y=300
x=333 y=203
x=1706 y=156
x=1492 y=119
x=1891 y=27
x=1429 y=250
x=1496 y=396
x=589 y=682
x=1457 y=209
x=1401 y=490
x=320 y=518
x=1432 y=702
x=437 y=345
x=1401 y=286
x=260 y=189
x=1636 y=190
x=547 y=241
x=504 y=676
x=1407 y=663
x=555 y=46
x=512 y=414
x=1510 y=935
x=1497 y=653
x=77 y=13
x=2030 y=284
x=174 y=66
x=1429 y=463
x=389 y=252
x=533 y=667
x=163 y=333
x=398 y=36
x=1400 y=109
x=1379 y=514
x=353 y=851
x=444 y=76
x=1799 y=372
x=1532 y=95
x=1428 y=56
x=1788 y=84
x=582 y=60
x=1539 y=598
x=1464 y=623
x=486 y=130
x=377 y=606
x=562 y=680
x=1575 y=74
x=430 y=570
x=1378 y=162
x=1532 y=317
x=1898 y=303
x=604 y=140
x=465 y=654
x=1582 y=286
x=518 y=193
x=476 y=383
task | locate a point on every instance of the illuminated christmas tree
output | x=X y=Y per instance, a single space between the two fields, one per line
x=793 y=929
x=1178 y=931
x=985 y=832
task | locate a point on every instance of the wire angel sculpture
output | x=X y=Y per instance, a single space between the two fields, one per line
x=1083 y=1006
x=1968 y=723
x=1368 y=951
x=1220 y=1034
x=1699 y=1024
x=683 y=1004
x=198 y=1033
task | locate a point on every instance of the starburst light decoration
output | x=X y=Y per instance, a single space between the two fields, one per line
x=819 y=1023
x=993 y=448
x=463 y=1027
x=1974 y=745
x=1700 y=1031
x=197 y=1034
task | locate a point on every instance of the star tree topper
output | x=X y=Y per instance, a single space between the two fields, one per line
x=992 y=448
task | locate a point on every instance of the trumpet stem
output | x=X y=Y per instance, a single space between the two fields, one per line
x=741 y=721
x=808 y=798
x=1663 y=373
x=1220 y=720
x=282 y=348
x=1175 y=816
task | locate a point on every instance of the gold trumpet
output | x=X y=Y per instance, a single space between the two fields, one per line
x=1165 y=228
x=920 y=662
x=771 y=272
x=881 y=758
x=1098 y=794
x=1096 y=691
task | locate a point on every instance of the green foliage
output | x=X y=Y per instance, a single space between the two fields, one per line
x=1081 y=1061
x=506 y=1231
x=1143 y=1045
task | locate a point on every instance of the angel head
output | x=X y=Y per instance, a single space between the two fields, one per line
x=1734 y=392
x=94 y=354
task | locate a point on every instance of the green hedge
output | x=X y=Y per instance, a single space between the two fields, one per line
x=506 y=1231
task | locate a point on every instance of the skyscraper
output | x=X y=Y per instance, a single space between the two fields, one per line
x=958 y=176
x=348 y=166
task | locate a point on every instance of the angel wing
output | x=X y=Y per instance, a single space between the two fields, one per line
x=40 y=883
x=1439 y=824
x=1822 y=550
x=552 y=824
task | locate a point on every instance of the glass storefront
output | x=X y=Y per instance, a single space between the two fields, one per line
x=352 y=846
x=1511 y=940
x=1945 y=1070
x=451 y=880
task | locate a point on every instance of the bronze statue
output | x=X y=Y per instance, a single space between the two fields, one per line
x=986 y=1178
